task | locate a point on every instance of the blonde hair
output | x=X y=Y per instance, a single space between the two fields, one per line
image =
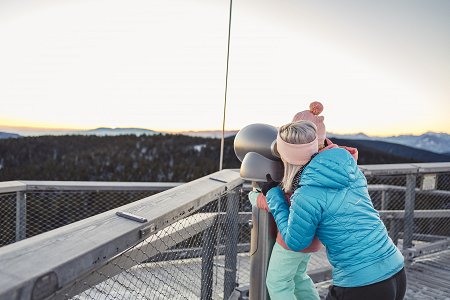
x=301 y=132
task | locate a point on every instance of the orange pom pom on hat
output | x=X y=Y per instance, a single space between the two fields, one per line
x=315 y=108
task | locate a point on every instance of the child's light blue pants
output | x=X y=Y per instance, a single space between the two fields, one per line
x=287 y=278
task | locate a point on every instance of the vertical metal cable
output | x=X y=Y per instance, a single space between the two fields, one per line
x=222 y=144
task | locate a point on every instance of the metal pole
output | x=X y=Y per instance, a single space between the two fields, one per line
x=410 y=199
x=21 y=216
x=222 y=143
x=263 y=237
x=232 y=239
x=209 y=238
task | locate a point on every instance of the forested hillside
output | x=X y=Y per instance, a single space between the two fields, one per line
x=158 y=158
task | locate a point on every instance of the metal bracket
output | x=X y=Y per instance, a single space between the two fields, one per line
x=44 y=286
x=148 y=230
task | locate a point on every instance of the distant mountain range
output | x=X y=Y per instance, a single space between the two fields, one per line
x=210 y=133
x=116 y=131
x=101 y=131
x=7 y=135
x=430 y=141
x=381 y=152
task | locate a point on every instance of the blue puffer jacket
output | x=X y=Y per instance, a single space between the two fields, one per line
x=333 y=202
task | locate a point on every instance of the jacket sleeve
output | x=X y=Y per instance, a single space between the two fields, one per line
x=297 y=223
x=258 y=199
x=252 y=196
x=261 y=202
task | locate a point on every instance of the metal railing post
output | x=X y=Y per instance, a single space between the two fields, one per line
x=232 y=239
x=394 y=229
x=384 y=200
x=410 y=199
x=208 y=249
x=21 y=216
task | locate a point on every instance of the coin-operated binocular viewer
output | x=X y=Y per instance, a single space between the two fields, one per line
x=255 y=147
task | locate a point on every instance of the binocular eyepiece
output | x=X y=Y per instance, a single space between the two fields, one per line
x=255 y=147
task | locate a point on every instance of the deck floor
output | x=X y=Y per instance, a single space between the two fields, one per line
x=428 y=278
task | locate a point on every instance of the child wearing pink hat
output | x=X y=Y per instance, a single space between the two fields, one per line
x=330 y=200
x=287 y=276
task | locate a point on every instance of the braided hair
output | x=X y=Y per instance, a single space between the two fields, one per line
x=296 y=180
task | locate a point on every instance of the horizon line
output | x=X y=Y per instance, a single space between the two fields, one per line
x=42 y=130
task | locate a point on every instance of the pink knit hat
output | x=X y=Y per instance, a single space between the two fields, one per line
x=315 y=108
x=296 y=154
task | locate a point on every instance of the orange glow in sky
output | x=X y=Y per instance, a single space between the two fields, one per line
x=379 y=67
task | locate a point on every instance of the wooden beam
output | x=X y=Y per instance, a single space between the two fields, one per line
x=405 y=169
x=12 y=187
x=98 y=186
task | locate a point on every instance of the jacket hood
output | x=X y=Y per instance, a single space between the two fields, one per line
x=333 y=168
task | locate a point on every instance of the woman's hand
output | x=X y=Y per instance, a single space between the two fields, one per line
x=266 y=186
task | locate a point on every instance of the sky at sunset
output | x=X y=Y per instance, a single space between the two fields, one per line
x=378 y=67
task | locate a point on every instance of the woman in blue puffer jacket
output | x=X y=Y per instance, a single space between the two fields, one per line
x=331 y=201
